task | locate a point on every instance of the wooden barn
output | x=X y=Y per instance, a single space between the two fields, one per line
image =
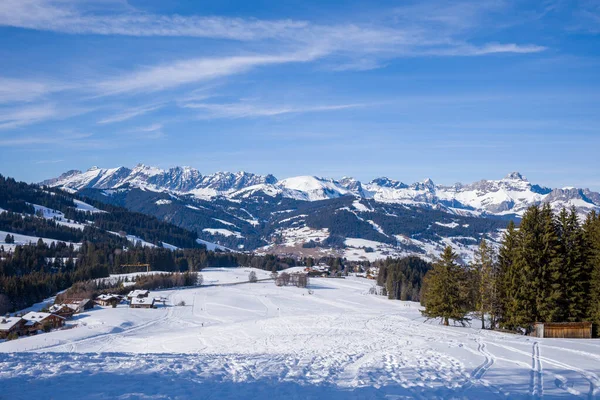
x=564 y=330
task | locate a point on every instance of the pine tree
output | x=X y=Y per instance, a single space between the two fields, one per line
x=445 y=295
x=509 y=278
x=549 y=269
x=487 y=295
x=573 y=279
x=592 y=266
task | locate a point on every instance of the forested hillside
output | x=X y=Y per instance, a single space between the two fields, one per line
x=85 y=239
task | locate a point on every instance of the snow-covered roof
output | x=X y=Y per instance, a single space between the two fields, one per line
x=34 y=316
x=142 y=301
x=138 y=292
x=57 y=307
x=106 y=297
x=7 y=323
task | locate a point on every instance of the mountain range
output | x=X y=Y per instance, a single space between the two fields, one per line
x=311 y=216
x=506 y=197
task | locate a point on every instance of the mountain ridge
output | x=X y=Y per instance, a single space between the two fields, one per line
x=509 y=196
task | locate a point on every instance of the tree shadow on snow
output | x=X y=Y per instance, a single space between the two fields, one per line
x=84 y=376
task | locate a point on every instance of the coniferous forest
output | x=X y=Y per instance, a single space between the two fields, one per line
x=547 y=270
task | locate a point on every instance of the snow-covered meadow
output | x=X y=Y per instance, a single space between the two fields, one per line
x=257 y=340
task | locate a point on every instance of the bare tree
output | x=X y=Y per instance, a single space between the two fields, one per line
x=285 y=279
x=200 y=280
x=252 y=277
x=302 y=281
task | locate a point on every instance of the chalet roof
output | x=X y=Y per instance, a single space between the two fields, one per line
x=7 y=323
x=106 y=297
x=57 y=307
x=142 y=301
x=38 y=316
x=138 y=293
x=77 y=302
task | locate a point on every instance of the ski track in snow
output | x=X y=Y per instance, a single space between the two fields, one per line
x=258 y=341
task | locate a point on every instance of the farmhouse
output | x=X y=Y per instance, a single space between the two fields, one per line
x=137 y=294
x=62 y=310
x=141 y=302
x=35 y=321
x=574 y=330
x=107 y=300
x=9 y=325
x=79 y=305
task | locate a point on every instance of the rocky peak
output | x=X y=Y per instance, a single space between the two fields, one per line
x=389 y=183
x=515 y=176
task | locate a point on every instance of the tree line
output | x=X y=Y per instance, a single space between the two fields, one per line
x=31 y=273
x=547 y=270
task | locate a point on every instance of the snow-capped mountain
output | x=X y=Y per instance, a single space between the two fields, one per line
x=509 y=196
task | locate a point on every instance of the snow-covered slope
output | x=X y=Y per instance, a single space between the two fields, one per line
x=257 y=341
x=504 y=197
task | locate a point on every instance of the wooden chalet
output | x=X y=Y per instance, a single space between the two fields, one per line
x=108 y=300
x=142 y=302
x=563 y=330
x=35 y=321
x=138 y=293
x=79 y=304
x=10 y=325
x=62 y=310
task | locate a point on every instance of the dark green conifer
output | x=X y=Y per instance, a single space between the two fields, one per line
x=445 y=290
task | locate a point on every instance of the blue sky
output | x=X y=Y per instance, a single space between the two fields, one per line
x=455 y=91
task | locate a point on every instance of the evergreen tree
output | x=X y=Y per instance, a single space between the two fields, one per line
x=549 y=273
x=9 y=239
x=445 y=295
x=509 y=278
x=573 y=279
x=487 y=296
x=591 y=236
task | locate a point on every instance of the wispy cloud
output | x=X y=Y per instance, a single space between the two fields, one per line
x=194 y=70
x=56 y=139
x=16 y=117
x=247 y=110
x=49 y=161
x=130 y=113
x=68 y=17
x=419 y=28
x=20 y=90
x=153 y=131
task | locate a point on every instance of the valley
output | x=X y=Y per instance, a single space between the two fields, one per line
x=336 y=341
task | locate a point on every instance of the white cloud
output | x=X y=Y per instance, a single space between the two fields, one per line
x=246 y=110
x=18 y=90
x=49 y=161
x=129 y=113
x=430 y=26
x=16 y=117
x=194 y=70
x=153 y=131
x=67 y=17
x=56 y=139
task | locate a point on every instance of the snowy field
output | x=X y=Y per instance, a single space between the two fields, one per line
x=259 y=341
